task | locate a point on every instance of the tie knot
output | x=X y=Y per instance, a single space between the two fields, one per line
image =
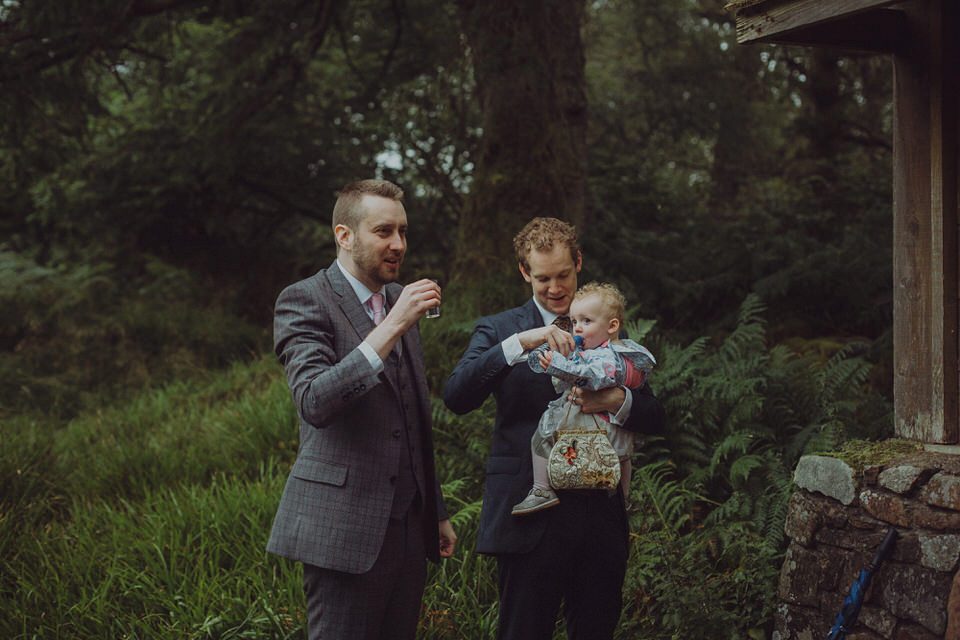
x=376 y=304
x=564 y=323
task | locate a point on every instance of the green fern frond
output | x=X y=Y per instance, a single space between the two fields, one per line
x=638 y=328
x=742 y=466
x=666 y=498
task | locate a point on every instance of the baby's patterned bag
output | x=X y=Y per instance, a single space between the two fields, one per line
x=582 y=457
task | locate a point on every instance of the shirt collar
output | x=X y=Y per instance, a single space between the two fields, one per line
x=363 y=293
x=547 y=316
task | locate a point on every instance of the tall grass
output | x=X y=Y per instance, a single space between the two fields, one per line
x=179 y=562
x=149 y=518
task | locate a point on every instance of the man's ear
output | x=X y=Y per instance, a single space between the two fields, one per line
x=344 y=236
x=579 y=261
x=523 y=272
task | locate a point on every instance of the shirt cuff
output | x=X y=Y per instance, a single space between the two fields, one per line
x=375 y=360
x=512 y=351
x=623 y=414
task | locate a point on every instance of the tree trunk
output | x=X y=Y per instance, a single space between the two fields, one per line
x=529 y=65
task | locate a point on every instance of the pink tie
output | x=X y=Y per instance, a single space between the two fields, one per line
x=376 y=303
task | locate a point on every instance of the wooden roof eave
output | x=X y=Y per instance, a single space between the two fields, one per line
x=860 y=25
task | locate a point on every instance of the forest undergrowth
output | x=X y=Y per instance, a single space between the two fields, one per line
x=147 y=517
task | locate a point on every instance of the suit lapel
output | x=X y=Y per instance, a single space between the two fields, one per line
x=529 y=316
x=357 y=315
x=349 y=303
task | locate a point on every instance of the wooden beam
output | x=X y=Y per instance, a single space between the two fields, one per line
x=771 y=20
x=880 y=31
x=926 y=381
x=945 y=182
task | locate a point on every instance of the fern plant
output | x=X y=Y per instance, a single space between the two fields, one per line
x=711 y=494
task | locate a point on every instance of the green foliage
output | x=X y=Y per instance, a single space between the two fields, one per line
x=710 y=496
x=709 y=181
x=166 y=168
x=212 y=134
x=689 y=580
x=241 y=415
x=75 y=334
x=149 y=517
x=187 y=561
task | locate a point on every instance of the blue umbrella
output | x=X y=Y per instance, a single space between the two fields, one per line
x=851 y=606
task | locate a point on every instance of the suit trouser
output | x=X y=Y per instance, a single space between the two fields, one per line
x=381 y=604
x=580 y=561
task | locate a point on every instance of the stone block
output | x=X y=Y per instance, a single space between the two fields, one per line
x=799 y=623
x=953 y=610
x=902 y=478
x=916 y=632
x=880 y=621
x=916 y=594
x=943 y=462
x=885 y=506
x=855 y=539
x=909 y=515
x=805 y=573
x=939 y=551
x=830 y=476
x=807 y=512
x=943 y=490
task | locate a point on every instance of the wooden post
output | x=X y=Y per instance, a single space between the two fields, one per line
x=925 y=263
x=921 y=35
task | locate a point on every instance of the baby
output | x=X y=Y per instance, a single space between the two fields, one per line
x=604 y=361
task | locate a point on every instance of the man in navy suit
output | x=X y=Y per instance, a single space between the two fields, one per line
x=362 y=508
x=576 y=552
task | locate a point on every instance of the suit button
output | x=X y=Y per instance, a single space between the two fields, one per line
x=396 y=433
x=393 y=479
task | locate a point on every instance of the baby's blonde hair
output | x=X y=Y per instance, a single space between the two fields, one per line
x=611 y=297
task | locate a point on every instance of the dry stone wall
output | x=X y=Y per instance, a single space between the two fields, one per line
x=835 y=523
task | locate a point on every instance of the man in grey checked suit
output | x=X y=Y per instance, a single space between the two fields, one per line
x=362 y=508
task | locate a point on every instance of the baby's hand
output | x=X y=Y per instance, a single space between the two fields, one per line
x=546 y=358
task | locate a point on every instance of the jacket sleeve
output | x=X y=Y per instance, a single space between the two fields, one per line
x=586 y=371
x=646 y=413
x=475 y=376
x=322 y=384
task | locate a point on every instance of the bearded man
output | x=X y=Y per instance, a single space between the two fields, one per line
x=362 y=508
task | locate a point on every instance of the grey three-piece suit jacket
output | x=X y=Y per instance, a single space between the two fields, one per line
x=337 y=501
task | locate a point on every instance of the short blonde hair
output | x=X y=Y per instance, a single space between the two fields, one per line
x=611 y=297
x=542 y=234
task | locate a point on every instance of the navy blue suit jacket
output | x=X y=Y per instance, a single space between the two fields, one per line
x=521 y=397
